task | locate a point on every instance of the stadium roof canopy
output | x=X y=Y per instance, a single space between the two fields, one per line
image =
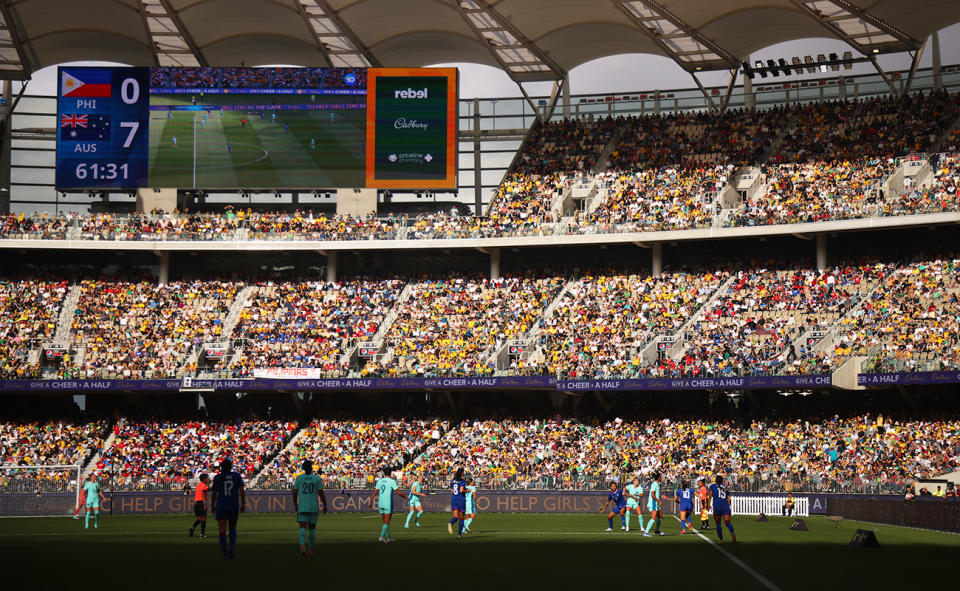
x=530 y=39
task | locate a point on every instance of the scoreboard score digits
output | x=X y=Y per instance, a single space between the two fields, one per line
x=102 y=124
x=122 y=128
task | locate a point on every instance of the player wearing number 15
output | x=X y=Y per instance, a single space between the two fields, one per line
x=721 y=507
x=307 y=488
x=383 y=492
x=229 y=500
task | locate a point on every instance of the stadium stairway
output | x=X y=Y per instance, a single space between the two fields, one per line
x=945 y=136
x=679 y=337
x=829 y=341
x=239 y=303
x=778 y=141
x=91 y=463
x=383 y=330
x=255 y=481
x=67 y=313
x=533 y=350
x=604 y=157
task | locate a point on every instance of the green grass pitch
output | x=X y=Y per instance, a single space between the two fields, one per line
x=264 y=154
x=523 y=551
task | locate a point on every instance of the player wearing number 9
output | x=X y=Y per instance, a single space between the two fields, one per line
x=228 y=500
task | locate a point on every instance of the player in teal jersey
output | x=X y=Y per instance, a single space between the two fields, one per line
x=91 y=489
x=416 y=507
x=383 y=492
x=307 y=488
x=471 y=509
x=654 y=506
x=634 y=494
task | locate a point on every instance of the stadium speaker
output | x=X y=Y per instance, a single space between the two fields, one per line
x=798 y=525
x=762 y=518
x=864 y=538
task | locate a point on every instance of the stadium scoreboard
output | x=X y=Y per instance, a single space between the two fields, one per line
x=122 y=128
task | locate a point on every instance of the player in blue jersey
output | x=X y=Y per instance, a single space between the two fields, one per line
x=720 y=499
x=458 y=502
x=416 y=507
x=634 y=494
x=383 y=492
x=229 y=500
x=654 y=506
x=684 y=498
x=471 y=505
x=618 y=506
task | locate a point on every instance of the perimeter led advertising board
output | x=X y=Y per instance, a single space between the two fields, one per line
x=256 y=128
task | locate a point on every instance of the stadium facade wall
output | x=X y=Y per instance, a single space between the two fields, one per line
x=340 y=501
x=925 y=513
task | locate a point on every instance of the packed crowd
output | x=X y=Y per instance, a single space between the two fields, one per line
x=142 y=330
x=29 y=313
x=242 y=77
x=310 y=323
x=162 y=454
x=350 y=453
x=755 y=326
x=180 y=77
x=25 y=446
x=910 y=323
x=566 y=147
x=601 y=325
x=457 y=326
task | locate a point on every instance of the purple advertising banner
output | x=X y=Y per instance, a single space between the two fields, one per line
x=908 y=378
x=476 y=383
x=339 y=501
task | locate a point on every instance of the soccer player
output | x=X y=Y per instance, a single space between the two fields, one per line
x=243 y=123
x=92 y=489
x=721 y=507
x=654 y=506
x=313 y=143
x=307 y=488
x=229 y=148
x=458 y=502
x=618 y=506
x=273 y=117
x=200 y=506
x=471 y=504
x=174 y=140
x=228 y=500
x=286 y=129
x=383 y=492
x=634 y=492
x=703 y=493
x=416 y=508
x=684 y=498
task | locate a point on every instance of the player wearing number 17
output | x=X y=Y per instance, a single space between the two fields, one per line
x=307 y=488
x=229 y=500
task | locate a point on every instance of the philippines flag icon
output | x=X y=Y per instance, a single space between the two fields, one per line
x=85 y=83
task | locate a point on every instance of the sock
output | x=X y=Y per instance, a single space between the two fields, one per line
x=719 y=532
x=640 y=519
x=610 y=521
x=203 y=528
x=649 y=525
x=86 y=520
x=303 y=536
x=409 y=516
x=658 y=524
x=460 y=528
x=467 y=523
x=223 y=544
x=623 y=521
x=452 y=521
x=383 y=531
x=689 y=525
x=730 y=526
x=195 y=524
x=419 y=513
x=312 y=537
x=233 y=538
x=628 y=519
x=96 y=519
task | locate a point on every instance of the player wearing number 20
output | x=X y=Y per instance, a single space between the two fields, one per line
x=229 y=501
x=307 y=488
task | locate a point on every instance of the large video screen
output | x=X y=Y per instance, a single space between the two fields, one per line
x=256 y=128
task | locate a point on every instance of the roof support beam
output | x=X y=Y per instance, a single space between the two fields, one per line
x=730 y=84
x=17 y=36
x=519 y=56
x=184 y=33
x=347 y=32
x=913 y=68
x=142 y=9
x=876 y=66
x=706 y=95
x=676 y=38
x=313 y=32
x=877 y=22
x=872 y=27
